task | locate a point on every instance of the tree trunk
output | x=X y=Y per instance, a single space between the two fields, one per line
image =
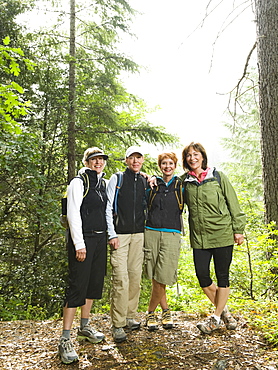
x=72 y=94
x=267 y=47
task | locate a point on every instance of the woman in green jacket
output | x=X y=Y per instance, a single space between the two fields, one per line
x=215 y=223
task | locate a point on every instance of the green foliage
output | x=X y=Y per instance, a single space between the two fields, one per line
x=245 y=167
x=33 y=259
x=260 y=314
x=10 y=9
x=146 y=288
x=11 y=105
x=15 y=309
x=254 y=274
x=254 y=271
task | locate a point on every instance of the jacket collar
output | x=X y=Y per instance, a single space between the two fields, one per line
x=209 y=175
x=161 y=181
x=131 y=173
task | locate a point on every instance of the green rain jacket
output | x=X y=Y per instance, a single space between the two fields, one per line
x=214 y=212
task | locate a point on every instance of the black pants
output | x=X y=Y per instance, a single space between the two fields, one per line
x=86 y=278
x=222 y=258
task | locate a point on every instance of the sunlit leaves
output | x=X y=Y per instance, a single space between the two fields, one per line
x=12 y=106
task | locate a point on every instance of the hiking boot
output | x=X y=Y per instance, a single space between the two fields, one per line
x=118 y=334
x=228 y=319
x=209 y=325
x=151 y=321
x=132 y=324
x=90 y=334
x=66 y=351
x=167 y=321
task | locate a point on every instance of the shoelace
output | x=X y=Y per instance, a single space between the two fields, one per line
x=167 y=316
x=227 y=317
x=152 y=318
x=212 y=323
x=118 y=330
x=67 y=345
x=90 y=329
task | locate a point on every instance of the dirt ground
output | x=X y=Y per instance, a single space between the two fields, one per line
x=33 y=345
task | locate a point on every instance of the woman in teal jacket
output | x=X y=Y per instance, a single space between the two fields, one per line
x=215 y=223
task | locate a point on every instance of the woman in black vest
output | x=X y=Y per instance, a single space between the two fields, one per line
x=87 y=249
x=163 y=238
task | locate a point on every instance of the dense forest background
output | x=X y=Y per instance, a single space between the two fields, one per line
x=61 y=93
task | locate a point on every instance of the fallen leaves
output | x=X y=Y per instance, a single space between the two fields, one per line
x=33 y=345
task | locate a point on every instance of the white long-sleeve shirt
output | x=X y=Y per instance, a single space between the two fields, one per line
x=110 y=190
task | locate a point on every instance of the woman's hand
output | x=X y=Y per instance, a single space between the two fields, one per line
x=114 y=243
x=238 y=238
x=152 y=182
x=81 y=254
x=144 y=174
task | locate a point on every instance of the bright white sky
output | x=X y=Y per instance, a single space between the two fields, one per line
x=178 y=77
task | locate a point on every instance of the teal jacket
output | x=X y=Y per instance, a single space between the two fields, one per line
x=214 y=212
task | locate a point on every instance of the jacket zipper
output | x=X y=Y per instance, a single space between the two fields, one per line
x=134 y=201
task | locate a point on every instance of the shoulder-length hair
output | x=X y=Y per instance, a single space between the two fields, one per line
x=199 y=148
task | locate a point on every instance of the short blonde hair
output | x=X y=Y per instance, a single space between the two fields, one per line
x=170 y=155
x=90 y=151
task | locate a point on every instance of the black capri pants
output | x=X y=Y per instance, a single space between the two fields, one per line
x=86 y=278
x=222 y=258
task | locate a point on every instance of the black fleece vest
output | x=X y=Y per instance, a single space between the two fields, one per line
x=93 y=206
x=130 y=218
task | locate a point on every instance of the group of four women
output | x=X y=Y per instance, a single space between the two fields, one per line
x=216 y=223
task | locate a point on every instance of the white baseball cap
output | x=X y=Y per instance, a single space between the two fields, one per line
x=133 y=149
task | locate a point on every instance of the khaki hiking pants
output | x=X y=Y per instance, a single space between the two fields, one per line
x=126 y=262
